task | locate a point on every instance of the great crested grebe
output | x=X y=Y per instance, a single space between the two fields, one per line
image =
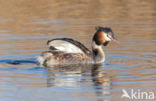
x=69 y=51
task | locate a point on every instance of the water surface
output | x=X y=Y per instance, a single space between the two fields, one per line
x=25 y=26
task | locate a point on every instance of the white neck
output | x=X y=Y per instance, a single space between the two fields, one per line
x=98 y=53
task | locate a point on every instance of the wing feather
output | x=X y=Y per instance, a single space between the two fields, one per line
x=67 y=45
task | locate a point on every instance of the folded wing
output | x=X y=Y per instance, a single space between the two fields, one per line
x=67 y=45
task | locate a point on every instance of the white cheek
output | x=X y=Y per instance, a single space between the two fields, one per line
x=107 y=38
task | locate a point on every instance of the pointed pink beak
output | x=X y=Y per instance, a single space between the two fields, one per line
x=116 y=41
x=113 y=39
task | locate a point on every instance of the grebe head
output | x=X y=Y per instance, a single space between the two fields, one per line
x=103 y=36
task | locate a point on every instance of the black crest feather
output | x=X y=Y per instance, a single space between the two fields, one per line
x=105 y=29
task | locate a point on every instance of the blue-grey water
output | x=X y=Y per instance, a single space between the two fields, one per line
x=26 y=25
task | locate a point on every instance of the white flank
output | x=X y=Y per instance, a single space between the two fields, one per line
x=40 y=60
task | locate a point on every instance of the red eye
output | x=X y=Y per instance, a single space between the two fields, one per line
x=107 y=35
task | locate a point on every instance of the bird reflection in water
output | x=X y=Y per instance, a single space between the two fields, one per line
x=102 y=83
x=73 y=76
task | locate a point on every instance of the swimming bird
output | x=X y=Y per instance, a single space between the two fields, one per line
x=68 y=51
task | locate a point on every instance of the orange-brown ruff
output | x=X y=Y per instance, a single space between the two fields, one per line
x=69 y=51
